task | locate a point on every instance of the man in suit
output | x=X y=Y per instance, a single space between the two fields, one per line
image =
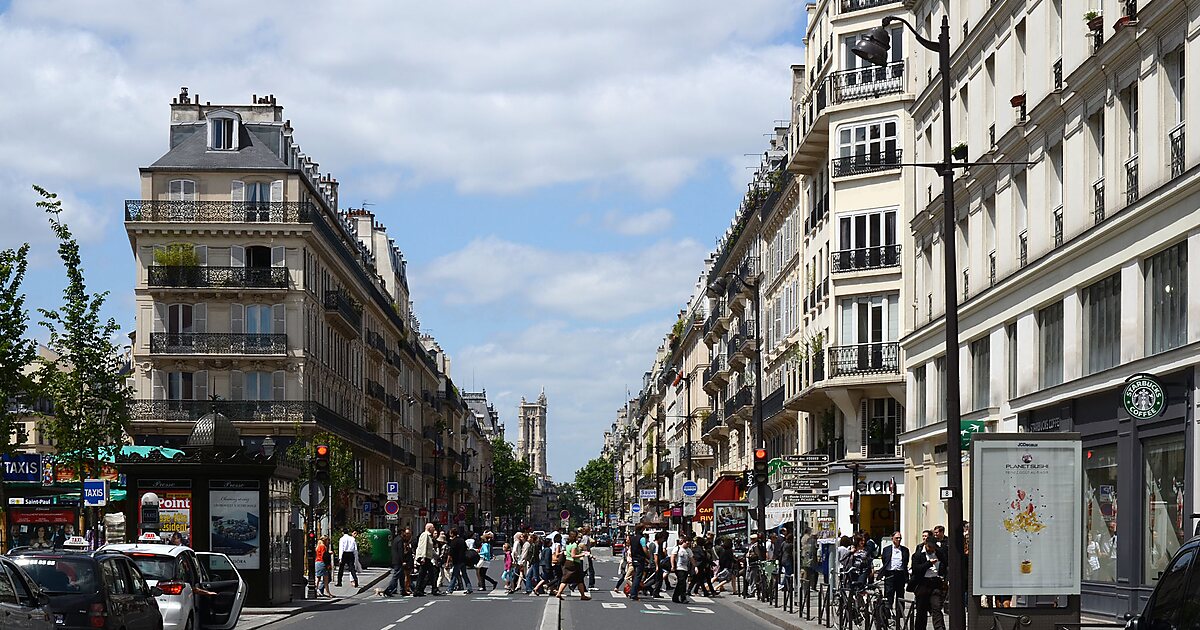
x=895 y=570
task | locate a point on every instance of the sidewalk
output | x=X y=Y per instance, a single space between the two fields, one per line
x=253 y=618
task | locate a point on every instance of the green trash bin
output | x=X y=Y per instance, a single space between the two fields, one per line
x=381 y=550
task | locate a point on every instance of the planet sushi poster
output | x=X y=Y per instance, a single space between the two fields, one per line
x=1026 y=514
x=234 y=527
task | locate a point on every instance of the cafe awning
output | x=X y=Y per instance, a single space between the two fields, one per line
x=725 y=489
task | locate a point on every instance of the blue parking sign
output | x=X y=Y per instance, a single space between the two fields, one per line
x=95 y=492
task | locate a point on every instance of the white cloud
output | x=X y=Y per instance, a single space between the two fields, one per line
x=590 y=286
x=652 y=222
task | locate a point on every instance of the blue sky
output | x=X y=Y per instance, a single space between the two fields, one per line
x=555 y=173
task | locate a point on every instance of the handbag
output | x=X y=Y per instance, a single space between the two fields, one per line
x=507 y=575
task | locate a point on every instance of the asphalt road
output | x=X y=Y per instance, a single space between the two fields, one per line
x=495 y=611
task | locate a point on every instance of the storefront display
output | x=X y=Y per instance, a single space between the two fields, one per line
x=1164 y=497
x=1100 y=514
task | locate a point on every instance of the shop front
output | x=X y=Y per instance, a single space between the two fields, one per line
x=1135 y=457
x=878 y=486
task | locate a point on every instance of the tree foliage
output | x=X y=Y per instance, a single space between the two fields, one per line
x=17 y=352
x=341 y=463
x=594 y=481
x=84 y=382
x=514 y=483
x=176 y=255
x=570 y=500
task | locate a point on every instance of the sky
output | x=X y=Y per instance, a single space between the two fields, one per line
x=554 y=172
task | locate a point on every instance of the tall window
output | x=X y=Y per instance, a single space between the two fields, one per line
x=181 y=190
x=1011 y=333
x=1102 y=324
x=222 y=133
x=1129 y=102
x=1165 y=476
x=179 y=386
x=1175 y=78
x=981 y=373
x=921 y=397
x=1050 y=332
x=866 y=241
x=1166 y=299
x=1096 y=122
x=867 y=145
x=882 y=427
x=939 y=365
x=179 y=319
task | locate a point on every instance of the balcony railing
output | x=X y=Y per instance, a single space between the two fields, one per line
x=867 y=82
x=865 y=258
x=966 y=279
x=743 y=398
x=375 y=390
x=772 y=403
x=1023 y=247
x=345 y=307
x=697 y=450
x=865 y=358
x=1098 y=197
x=991 y=268
x=217 y=343
x=862 y=163
x=819 y=210
x=1176 y=138
x=217 y=277
x=1131 y=180
x=713 y=421
x=859 y=5
x=1058 y=226
x=814 y=103
x=1058 y=75
x=164 y=211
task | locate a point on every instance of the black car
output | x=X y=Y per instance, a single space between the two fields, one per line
x=90 y=590
x=602 y=540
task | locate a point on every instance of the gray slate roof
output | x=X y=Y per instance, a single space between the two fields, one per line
x=191 y=152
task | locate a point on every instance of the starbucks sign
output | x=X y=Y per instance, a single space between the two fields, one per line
x=1143 y=397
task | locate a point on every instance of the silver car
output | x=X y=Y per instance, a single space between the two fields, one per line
x=178 y=571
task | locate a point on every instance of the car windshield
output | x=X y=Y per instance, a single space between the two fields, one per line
x=60 y=575
x=153 y=567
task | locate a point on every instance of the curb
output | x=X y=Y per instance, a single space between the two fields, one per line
x=766 y=616
x=319 y=605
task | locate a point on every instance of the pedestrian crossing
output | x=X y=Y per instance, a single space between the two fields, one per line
x=607 y=599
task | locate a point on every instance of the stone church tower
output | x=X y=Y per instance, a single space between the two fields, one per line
x=531 y=434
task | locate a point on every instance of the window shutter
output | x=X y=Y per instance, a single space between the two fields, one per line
x=237 y=383
x=237 y=256
x=157 y=390
x=201 y=255
x=237 y=191
x=237 y=318
x=200 y=385
x=200 y=318
x=278 y=386
x=278 y=256
x=160 y=318
x=279 y=319
x=277 y=190
x=862 y=414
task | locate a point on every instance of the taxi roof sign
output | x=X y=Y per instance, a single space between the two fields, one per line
x=149 y=537
x=76 y=542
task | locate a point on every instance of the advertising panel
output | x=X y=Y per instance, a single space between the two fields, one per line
x=175 y=516
x=234 y=531
x=1026 y=512
x=732 y=518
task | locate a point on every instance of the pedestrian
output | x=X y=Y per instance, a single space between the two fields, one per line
x=703 y=564
x=725 y=566
x=407 y=562
x=518 y=553
x=638 y=557
x=545 y=568
x=532 y=562
x=573 y=568
x=928 y=573
x=443 y=560
x=621 y=571
x=321 y=573
x=509 y=569
x=348 y=555
x=683 y=567
x=397 y=581
x=456 y=553
x=485 y=561
x=426 y=557
x=787 y=558
x=895 y=571
x=585 y=539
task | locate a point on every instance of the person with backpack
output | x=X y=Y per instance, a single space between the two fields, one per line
x=639 y=557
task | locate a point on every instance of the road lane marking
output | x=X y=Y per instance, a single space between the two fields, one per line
x=701 y=600
x=388 y=627
x=657 y=607
x=404 y=618
x=702 y=611
x=662 y=612
x=617 y=605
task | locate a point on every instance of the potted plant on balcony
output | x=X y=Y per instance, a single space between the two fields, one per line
x=959 y=151
x=1095 y=20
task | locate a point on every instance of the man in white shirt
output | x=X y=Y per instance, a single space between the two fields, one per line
x=895 y=570
x=348 y=553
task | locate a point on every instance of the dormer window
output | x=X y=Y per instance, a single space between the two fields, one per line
x=222 y=131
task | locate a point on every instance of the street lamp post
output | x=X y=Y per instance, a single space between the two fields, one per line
x=873 y=47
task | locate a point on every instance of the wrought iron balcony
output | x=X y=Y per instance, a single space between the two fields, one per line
x=866 y=163
x=1058 y=75
x=1023 y=247
x=1176 y=139
x=218 y=343
x=991 y=268
x=859 y=5
x=375 y=342
x=170 y=211
x=865 y=358
x=337 y=302
x=697 y=450
x=712 y=422
x=867 y=82
x=1131 y=180
x=772 y=403
x=217 y=277
x=739 y=401
x=861 y=259
x=1098 y=197
x=375 y=390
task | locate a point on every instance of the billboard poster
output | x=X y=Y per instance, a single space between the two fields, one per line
x=732 y=518
x=1026 y=512
x=234 y=514
x=175 y=516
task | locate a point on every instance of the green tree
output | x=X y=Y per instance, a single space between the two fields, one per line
x=17 y=352
x=341 y=463
x=570 y=500
x=594 y=482
x=514 y=483
x=84 y=381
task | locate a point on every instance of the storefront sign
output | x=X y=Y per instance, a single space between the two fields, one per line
x=1143 y=397
x=234 y=530
x=22 y=467
x=1026 y=512
x=31 y=501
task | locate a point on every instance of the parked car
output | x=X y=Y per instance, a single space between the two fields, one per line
x=177 y=571
x=84 y=590
x=602 y=540
x=1173 y=602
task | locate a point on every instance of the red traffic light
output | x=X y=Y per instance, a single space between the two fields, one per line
x=322 y=450
x=760 y=454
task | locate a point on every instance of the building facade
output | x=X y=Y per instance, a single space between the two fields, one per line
x=531 y=434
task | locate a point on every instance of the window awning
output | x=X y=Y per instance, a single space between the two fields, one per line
x=725 y=489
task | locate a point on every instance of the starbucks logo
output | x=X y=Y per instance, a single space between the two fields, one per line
x=1144 y=397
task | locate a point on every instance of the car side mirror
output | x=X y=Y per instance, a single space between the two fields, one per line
x=42 y=599
x=1132 y=622
x=155 y=591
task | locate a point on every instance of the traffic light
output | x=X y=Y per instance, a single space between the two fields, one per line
x=760 y=466
x=321 y=463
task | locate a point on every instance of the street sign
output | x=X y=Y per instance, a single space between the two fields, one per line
x=636 y=508
x=752 y=496
x=564 y=515
x=367 y=505
x=815 y=460
x=689 y=506
x=810 y=498
x=565 y=523
x=945 y=494
x=648 y=494
x=690 y=488
x=393 y=490
x=312 y=493
x=95 y=492
x=391 y=518
x=392 y=508
x=802 y=471
x=806 y=484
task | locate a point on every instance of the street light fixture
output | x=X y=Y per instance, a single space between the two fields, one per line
x=873 y=47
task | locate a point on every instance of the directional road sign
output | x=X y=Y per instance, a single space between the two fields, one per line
x=648 y=494
x=806 y=484
x=816 y=460
x=393 y=490
x=805 y=471
x=690 y=488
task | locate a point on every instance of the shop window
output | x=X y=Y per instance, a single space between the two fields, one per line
x=1163 y=503
x=1100 y=514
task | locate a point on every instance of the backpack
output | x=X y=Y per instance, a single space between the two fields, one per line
x=472 y=557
